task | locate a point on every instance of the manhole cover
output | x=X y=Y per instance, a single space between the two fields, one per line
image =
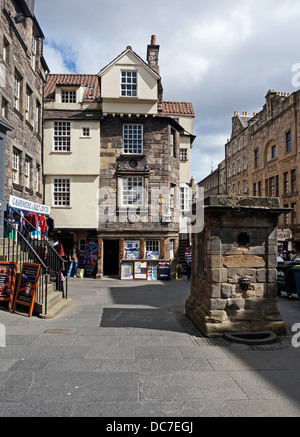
x=57 y=331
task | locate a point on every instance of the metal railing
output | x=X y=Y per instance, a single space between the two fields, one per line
x=16 y=247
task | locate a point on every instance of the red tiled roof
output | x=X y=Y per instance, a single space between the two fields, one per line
x=89 y=81
x=92 y=92
x=178 y=108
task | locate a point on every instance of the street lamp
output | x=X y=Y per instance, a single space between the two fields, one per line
x=19 y=18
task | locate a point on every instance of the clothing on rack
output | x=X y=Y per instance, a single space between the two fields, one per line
x=50 y=224
x=42 y=223
x=32 y=218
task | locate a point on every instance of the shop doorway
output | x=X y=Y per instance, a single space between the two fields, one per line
x=111 y=252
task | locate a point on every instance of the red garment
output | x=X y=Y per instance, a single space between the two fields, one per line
x=42 y=223
x=59 y=249
x=31 y=217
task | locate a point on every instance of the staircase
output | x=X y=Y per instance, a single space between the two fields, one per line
x=183 y=243
x=49 y=301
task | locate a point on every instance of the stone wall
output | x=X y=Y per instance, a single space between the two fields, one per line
x=159 y=169
x=26 y=136
x=234 y=275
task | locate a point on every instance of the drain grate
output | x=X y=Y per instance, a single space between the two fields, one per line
x=57 y=331
x=198 y=339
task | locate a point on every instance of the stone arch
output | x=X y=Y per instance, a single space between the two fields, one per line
x=268 y=150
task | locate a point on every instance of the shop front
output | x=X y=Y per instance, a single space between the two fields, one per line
x=284 y=242
x=149 y=259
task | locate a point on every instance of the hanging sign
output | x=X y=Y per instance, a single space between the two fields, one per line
x=27 y=205
x=25 y=294
x=8 y=272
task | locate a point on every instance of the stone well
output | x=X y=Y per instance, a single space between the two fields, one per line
x=233 y=285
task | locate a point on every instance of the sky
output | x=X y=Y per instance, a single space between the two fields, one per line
x=220 y=55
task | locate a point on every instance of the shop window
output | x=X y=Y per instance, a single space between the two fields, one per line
x=132 y=249
x=152 y=249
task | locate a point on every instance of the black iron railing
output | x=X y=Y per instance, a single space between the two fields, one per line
x=15 y=247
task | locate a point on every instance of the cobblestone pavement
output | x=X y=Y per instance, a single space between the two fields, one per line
x=126 y=349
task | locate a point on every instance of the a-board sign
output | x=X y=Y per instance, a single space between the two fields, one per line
x=140 y=270
x=25 y=293
x=8 y=272
x=127 y=270
x=152 y=273
x=164 y=270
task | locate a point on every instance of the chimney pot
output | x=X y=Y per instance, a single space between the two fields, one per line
x=153 y=40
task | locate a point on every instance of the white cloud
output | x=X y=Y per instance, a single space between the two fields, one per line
x=220 y=55
x=55 y=60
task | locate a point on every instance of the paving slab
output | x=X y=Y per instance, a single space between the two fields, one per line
x=126 y=349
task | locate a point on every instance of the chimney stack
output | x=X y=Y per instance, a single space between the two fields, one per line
x=152 y=54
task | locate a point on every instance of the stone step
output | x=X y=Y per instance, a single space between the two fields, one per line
x=56 y=309
x=55 y=303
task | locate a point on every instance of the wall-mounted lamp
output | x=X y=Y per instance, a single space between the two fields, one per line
x=19 y=18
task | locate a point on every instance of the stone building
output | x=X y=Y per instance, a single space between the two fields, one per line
x=22 y=76
x=262 y=159
x=117 y=163
x=215 y=183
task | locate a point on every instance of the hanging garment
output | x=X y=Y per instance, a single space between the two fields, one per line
x=42 y=223
x=50 y=223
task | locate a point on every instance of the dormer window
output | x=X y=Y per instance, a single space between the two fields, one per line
x=128 y=83
x=68 y=96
